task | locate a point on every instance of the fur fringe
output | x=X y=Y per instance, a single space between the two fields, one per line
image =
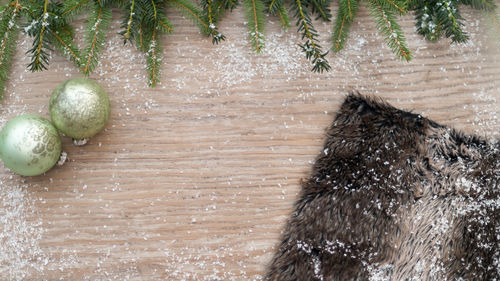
x=394 y=196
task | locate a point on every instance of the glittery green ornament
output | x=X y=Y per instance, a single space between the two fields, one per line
x=79 y=108
x=29 y=145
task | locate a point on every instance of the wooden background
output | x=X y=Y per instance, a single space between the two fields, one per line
x=194 y=179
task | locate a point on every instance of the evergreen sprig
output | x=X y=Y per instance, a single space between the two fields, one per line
x=71 y=8
x=437 y=17
x=144 y=23
x=211 y=13
x=42 y=21
x=190 y=11
x=8 y=32
x=128 y=24
x=159 y=25
x=346 y=13
x=62 y=40
x=311 y=46
x=277 y=8
x=322 y=9
x=387 y=24
x=254 y=12
x=95 y=35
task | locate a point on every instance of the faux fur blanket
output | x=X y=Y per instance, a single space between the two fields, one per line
x=394 y=196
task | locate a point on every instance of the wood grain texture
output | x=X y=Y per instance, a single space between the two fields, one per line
x=194 y=179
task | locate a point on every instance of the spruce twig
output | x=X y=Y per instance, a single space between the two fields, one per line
x=322 y=8
x=9 y=29
x=71 y=8
x=254 y=12
x=228 y=4
x=153 y=59
x=191 y=11
x=311 y=47
x=283 y=15
x=210 y=15
x=38 y=28
x=160 y=24
x=437 y=17
x=387 y=24
x=345 y=15
x=96 y=30
x=63 y=41
x=277 y=8
x=427 y=22
x=485 y=5
x=273 y=5
x=397 y=6
x=50 y=30
x=144 y=21
x=449 y=16
x=128 y=21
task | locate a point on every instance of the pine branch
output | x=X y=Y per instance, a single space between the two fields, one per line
x=277 y=8
x=5 y=8
x=144 y=21
x=434 y=17
x=485 y=5
x=340 y=31
x=350 y=7
x=141 y=25
x=38 y=29
x=221 y=6
x=427 y=23
x=9 y=30
x=71 y=8
x=387 y=24
x=153 y=59
x=139 y=42
x=322 y=8
x=311 y=47
x=227 y=5
x=154 y=18
x=96 y=29
x=397 y=6
x=345 y=15
x=49 y=29
x=449 y=17
x=191 y=11
x=63 y=41
x=254 y=13
x=109 y=3
x=283 y=16
x=210 y=15
x=412 y=4
x=128 y=21
x=165 y=26
x=273 y=5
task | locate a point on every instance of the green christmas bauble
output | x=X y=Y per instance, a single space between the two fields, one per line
x=79 y=108
x=29 y=145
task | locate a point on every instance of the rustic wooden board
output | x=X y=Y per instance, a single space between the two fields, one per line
x=194 y=179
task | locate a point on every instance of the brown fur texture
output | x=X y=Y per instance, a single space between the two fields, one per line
x=394 y=196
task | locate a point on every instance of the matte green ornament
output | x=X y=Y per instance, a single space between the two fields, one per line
x=29 y=145
x=79 y=108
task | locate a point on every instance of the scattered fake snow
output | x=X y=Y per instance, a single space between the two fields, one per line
x=21 y=227
x=20 y=232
